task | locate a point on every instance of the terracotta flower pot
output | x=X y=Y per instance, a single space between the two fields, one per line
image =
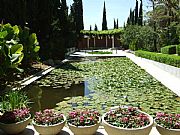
x=51 y=129
x=165 y=131
x=15 y=128
x=84 y=130
x=113 y=130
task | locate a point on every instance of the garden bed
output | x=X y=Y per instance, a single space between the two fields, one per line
x=12 y=80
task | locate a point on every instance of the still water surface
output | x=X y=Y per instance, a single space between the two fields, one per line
x=47 y=97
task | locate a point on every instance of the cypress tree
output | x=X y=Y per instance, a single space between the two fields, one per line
x=81 y=15
x=78 y=15
x=90 y=28
x=64 y=6
x=136 y=13
x=63 y=16
x=124 y=25
x=104 y=23
x=96 y=28
x=115 y=24
x=72 y=18
x=128 y=21
x=140 y=19
x=132 y=17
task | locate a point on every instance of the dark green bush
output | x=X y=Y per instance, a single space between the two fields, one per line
x=170 y=49
x=178 y=50
x=172 y=60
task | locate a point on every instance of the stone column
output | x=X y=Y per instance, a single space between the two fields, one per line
x=112 y=41
x=106 y=42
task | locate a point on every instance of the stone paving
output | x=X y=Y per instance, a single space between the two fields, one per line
x=66 y=131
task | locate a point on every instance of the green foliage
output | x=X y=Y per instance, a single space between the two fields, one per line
x=104 y=20
x=103 y=32
x=95 y=28
x=138 y=37
x=140 y=19
x=136 y=13
x=178 y=50
x=171 y=49
x=44 y=18
x=14 y=99
x=164 y=19
x=10 y=48
x=172 y=60
x=31 y=46
x=17 y=46
x=77 y=7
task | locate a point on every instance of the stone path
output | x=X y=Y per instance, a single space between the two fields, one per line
x=166 y=78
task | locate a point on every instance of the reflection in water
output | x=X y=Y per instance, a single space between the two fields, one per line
x=47 y=97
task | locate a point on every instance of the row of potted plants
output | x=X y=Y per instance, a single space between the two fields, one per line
x=119 y=120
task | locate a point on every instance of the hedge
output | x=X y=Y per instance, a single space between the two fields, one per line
x=172 y=60
x=170 y=49
x=178 y=50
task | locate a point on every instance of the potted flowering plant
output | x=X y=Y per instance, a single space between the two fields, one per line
x=168 y=124
x=84 y=122
x=127 y=121
x=48 y=122
x=15 y=112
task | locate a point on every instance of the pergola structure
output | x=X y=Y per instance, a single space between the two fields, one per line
x=111 y=34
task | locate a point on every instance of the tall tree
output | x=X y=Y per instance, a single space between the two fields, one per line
x=104 y=22
x=81 y=14
x=96 y=28
x=78 y=15
x=140 y=19
x=131 y=17
x=124 y=25
x=136 y=13
x=128 y=21
x=115 y=24
x=64 y=6
x=90 y=28
x=154 y=26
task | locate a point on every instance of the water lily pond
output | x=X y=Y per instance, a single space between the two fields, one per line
x=102 y=84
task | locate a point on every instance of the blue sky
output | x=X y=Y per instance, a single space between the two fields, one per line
x=93 y=11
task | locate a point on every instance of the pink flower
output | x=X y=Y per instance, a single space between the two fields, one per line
x=83 y=117
x=48 y=117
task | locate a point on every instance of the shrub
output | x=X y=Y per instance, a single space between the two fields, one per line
x=172 y=60
x=16 y=46
x=138 y=37
x=171 y=49
x=178 y=49
x=11 y=53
